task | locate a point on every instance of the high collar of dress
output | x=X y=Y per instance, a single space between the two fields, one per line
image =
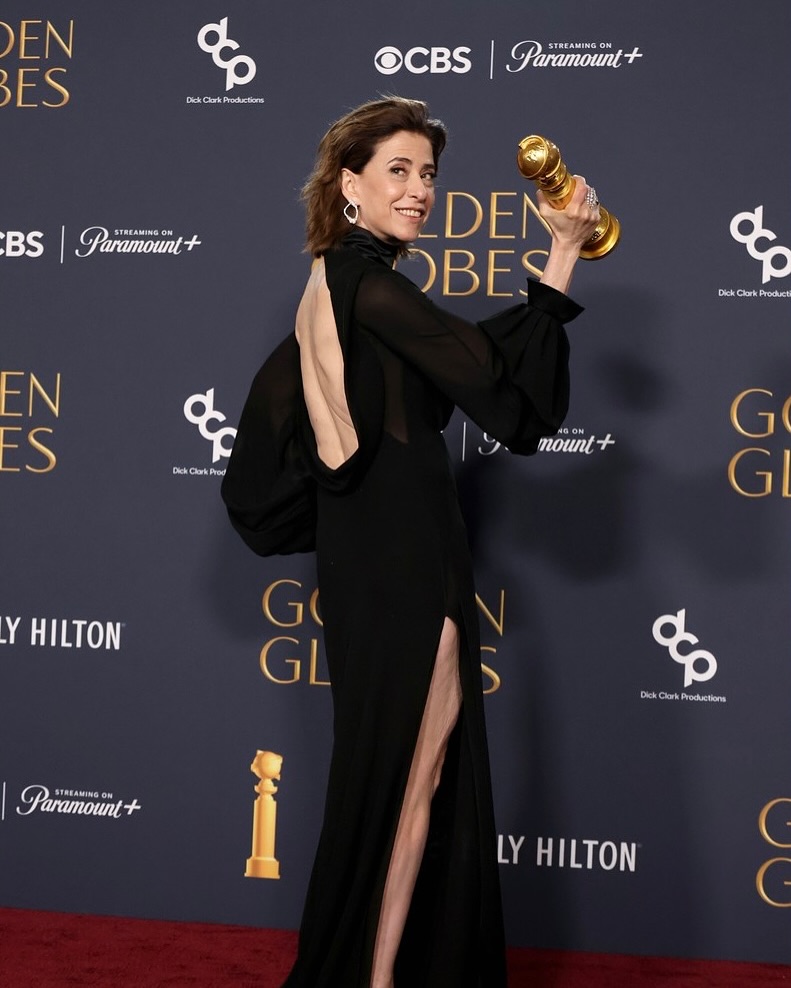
x=365 y=243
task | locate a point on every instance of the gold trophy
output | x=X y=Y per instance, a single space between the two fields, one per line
x=539 y=160
x=262 y=863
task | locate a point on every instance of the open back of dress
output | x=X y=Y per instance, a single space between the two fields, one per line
x=321 y=363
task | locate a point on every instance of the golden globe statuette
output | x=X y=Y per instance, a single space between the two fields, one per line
x=539 y=160
x=262 y=863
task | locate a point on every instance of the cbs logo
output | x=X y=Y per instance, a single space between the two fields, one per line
x=13 y=243
x=389 y=60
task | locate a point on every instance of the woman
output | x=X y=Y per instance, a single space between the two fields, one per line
x=340 y=446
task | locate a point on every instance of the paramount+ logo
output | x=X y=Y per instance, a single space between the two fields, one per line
x=418 y=60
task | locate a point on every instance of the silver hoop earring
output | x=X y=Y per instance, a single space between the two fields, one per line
x=352 y=219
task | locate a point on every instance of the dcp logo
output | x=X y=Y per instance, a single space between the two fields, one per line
x=750 y=240
x=233 y=75
x=688 y=659
x=14 y=243
x=389 y=60
x=206 y=403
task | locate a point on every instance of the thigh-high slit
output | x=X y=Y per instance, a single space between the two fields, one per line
x=439 y=718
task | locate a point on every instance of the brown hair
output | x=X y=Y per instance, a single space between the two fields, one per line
x=351 y=143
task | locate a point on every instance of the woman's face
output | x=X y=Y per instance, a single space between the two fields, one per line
x=395 y=190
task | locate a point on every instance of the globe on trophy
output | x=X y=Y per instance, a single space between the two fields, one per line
x=540 y=161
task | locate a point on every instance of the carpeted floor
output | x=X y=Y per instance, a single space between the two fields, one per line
x=61 y=950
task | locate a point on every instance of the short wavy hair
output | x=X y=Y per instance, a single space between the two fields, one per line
x=351 y=143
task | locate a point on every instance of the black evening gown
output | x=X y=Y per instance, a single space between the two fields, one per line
x=393 y=562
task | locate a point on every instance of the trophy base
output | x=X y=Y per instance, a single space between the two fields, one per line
x=605 y=237
x=262 y=868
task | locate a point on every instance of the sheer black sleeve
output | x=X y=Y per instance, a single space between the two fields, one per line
x=508 y=373
x=270 y=497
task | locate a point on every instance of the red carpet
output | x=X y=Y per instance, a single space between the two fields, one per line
x=59 y=950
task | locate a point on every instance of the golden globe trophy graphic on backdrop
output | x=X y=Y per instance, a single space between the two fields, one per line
x=262 y=862
x=539 y=160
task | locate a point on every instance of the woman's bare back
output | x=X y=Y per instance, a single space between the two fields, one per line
x=321 y=360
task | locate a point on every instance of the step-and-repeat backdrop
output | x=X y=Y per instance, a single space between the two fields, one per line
x=633 y=576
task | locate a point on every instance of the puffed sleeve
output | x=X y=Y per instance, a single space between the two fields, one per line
x=509 y=373
x=270 y=497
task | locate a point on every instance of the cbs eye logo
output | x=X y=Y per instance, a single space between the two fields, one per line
x=389 y=60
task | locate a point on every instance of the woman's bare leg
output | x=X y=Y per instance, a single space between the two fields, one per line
x=439 y=717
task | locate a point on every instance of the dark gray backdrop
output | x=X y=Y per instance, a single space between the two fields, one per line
x=629 y=810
